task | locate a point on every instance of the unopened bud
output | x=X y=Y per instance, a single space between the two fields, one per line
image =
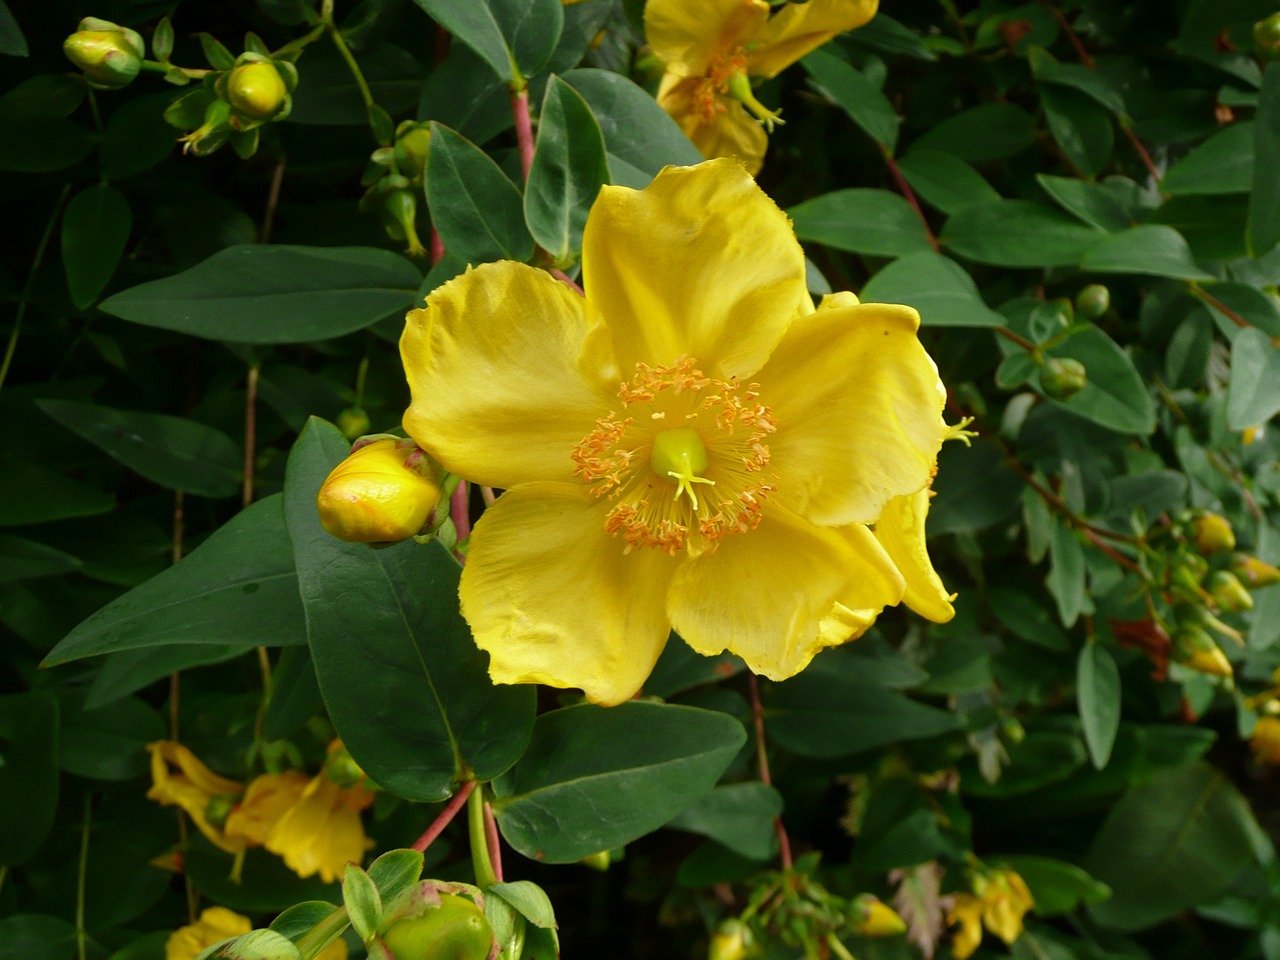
x=1266 y=34
x=1265 y=742
x=1093 y=301
x=109 y=55
x=402 y=208
x=353 y=422
x=382 y=492
x=341 y=767
x=731 y=941
x=870 y=917
x=256 y=90
x=456 y=929
x=1062 y=378
x=218 y=808
x=1213 y=534
x=598 y=861
x=413 y=148
x=1253 y=571
x=1229 y=593
x=1194 y=648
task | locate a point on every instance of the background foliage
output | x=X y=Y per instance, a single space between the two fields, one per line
x=174 y=321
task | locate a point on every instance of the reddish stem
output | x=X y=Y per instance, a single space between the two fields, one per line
x=491 y=841
x=524 y=128
x=910 y=196
x=437 y=246
x=566 y=279
x=456 y=803
x=762 y=760
x=460 y=510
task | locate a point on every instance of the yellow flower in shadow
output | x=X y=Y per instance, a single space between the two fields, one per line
x=711 y=49
x=690 y=445
x=1265 y=742
x=1001 y=901
x=178 y=778
x=215 y=925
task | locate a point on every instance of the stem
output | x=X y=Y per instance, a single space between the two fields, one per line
x=762 y=760
x=460 y=509
x=1217 y=304
x=179 y=501
x=273 y=199
x=524 y=128
x=1020 y=340
x=316 y=32
x=250 y=434
x=476 y=830
x=566 y=280
x=357 y=74
x=910 y=196
x=81 y=874
x=437 y=246
x=491 y=841
x=21 y=312
x=445 y=818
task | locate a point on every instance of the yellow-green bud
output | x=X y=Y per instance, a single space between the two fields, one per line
x=454 y=930
x=413 y=148
x=1213 y=534
x=731 y=941
x=353 y=422
x=1194 y=648
x=342 y=769
x=218 y=809
x=402 y=206
x=1093 y=301
x=598 y=861
x=109 y=55
x=1266 y=34
x=1229 y=593
x=383 y=492
x=256 y=90
x=869 y=917
x=1253 y=571
x=1062 y=377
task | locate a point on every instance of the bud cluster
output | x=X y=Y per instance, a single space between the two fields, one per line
x=395 y=179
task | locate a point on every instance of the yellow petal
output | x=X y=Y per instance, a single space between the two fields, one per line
x=500 y=388
x=966 y=911
x=800 y=28
x=859 y=409
x=686 y=36
x=265 y=801
x=191 y=787
x=726 y=130
x=215 y=925
x=842 y=625
x=698 y=264
x=321 y=833
x=554 y=599
x=900 y=531
x=768 y=595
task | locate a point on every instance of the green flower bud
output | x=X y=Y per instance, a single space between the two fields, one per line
x=1212 y=534
x=1062 y=378
x=402 y=208
x=1194 y=648
x=109 y=55
x=731 y=941
x=413 y=147
x=1266 y=34
x=1093 y=301
x=1253 y=571
x=1229 y=593
x=353 y=422
x=454 y=930
x=256 y=90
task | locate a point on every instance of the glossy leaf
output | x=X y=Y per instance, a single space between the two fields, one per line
x=937 y=286
x=1091 y=202
x=1253 y=393
x=1114 y=395
x=1098 y=699
x=595 y=778
x=855 y=95
x=1153 y=249
x=945 y=181
x=738 y=815
x=1018 y=233
x=38 y=937
x=1083 y=130
x=1264 y=199
x=405 y=685
x=1066 y=580
x=1056 y=886
x=861 y=221
x=95 y=229
x=274 y=294
x=1222 y=164
x=512 y=36
x=22 y=558
x=987 y=132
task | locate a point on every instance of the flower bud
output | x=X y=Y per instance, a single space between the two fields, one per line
x=1194 y=648
x=353 y=422
x=731 y=941
x=454 y=930
x=1093 y=301
x=382 y=492
x=1212 y=534
x=870 y=917
x=1265 y=742
x=341 y=767
x=1062 y=378
x=109 y=55
x=1266 y=34
x=256 y=90
x=402 y=208
x=1229 y=593
x=413 y=147
x=219 y=808
x=1253 y=571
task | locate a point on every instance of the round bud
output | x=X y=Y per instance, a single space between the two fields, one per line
x=1256 y=573
x=1266 y=34
x=413 y=147
x=1229 y=593
x=382 y=492
x=455 y=930
x=1093 y=301
x=353 y=422
x=1062 y=378
x=256 y=90
x=1212 y=534
x=110 y=56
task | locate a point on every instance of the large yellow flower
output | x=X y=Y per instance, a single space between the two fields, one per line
x=711 y=48
x=690 y=445
x=179 y=778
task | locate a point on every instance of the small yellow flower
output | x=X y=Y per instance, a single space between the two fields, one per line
x=382 y=492
x=966 y=910
x=195 y=788
x=712 y=48
x=215 y=925
x=1265 y=742
x=1001 y=902
x=690 y=445
x=266 y=800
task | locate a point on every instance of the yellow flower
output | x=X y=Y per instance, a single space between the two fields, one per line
x=690 y=445
x=215 y=925
x=966 y=910
x=205 y=796
x=900 y=531
x=383 y=491
x=712 y=47
x=1002 y=901
x=265 y=801
x=1265 y=742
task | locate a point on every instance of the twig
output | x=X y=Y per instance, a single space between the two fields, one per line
x=491 y=841
x=762 y=760
x=273 y=199
x=456 y=803
x=524 y=128
x=910 y=196
x=250 y=434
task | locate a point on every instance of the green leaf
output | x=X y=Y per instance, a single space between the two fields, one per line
x=640 y=138
x=42 y=144
x=1153 y=250
x=945 y=181
x=1264 y=199
x=515 y=37
x=236 y=588
x=330 y=96
x=29 y=776
x=529 y=900
x=171 y=451
x=738 y=815
x=937 y=286
x=302 y=918
x=1030 y=620
x=1253 y=393
x=1018 y=233
x=569 y=168
x=12 y=42
x=127 y=671
x=1115 y=395
x=274 y=294
x=264 y=885
x=404 y=683
x=975 y=488
x=395 y=872
x=1094 y=204
x=107 y=743
x=1177 y=840
x=477 y=210
x=1078 y=77
x=137 y=136
x=24 y=559
x=95 y=228
x=1098 y=699
x=1222 y=164
x=360 y=897
x=34 y=936
x=855 y=95
x=1066 y=573
x=861 y=220
x=595 y=778
x=1057 y=887
x=1080 y=127
x=991 y=131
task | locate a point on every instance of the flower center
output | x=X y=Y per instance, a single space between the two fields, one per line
x=691 y=431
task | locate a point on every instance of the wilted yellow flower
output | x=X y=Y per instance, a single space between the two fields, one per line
x=966 y=910
x=265 y=801
x=712 y=48
x=205 y=796
x=215 y=925
x=382 y=492
x=1001 y=902
x=1265 y=742
x=690 y=445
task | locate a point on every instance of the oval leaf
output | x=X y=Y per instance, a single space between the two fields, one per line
x=507 y=34
x=1018 y=233
x=1098 y=699
x=938 y=287
x=861 y=220
x=1153 y=249
x=95 y=228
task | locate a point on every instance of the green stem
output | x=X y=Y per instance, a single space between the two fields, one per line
x=319 y=936
x=480 y=861
x=315 y=33
x=195 y=73
x=41 y=247
x=81 y=874
x=357 y=74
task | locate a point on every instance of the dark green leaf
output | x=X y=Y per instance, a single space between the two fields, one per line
x=477 y=210
x=1222 y=164
x=936 y=286
x=1032 y=621
x=1115 y=395
x=1094 y=204
x=595 y=778
x=1253 y=394
x=1057 y=887
x=44 y=95
x=975 y=488
x=12 y=42
x=511 y=35
x=738 y=815
x=1018 y=233
x=275 y=294
x=29 y=775
x=404 y=682
x=236 y=588
x=463 y=93
x=1264 y=200
x=1091 y=83
x=107 y=743
x=330 y=96
x=1081 y=128
x=1066 y=573
x=1155 y=250
x=24 y=559
x=33 y=936
x=861 y=220
x=987 y=132
x=1098 y=699
x=95 y=229
x=42 y=144
x=855 y=95
x=127 y=671
x=945 y=181
x=263 y=885
x=173 y=452
x=137 y=136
